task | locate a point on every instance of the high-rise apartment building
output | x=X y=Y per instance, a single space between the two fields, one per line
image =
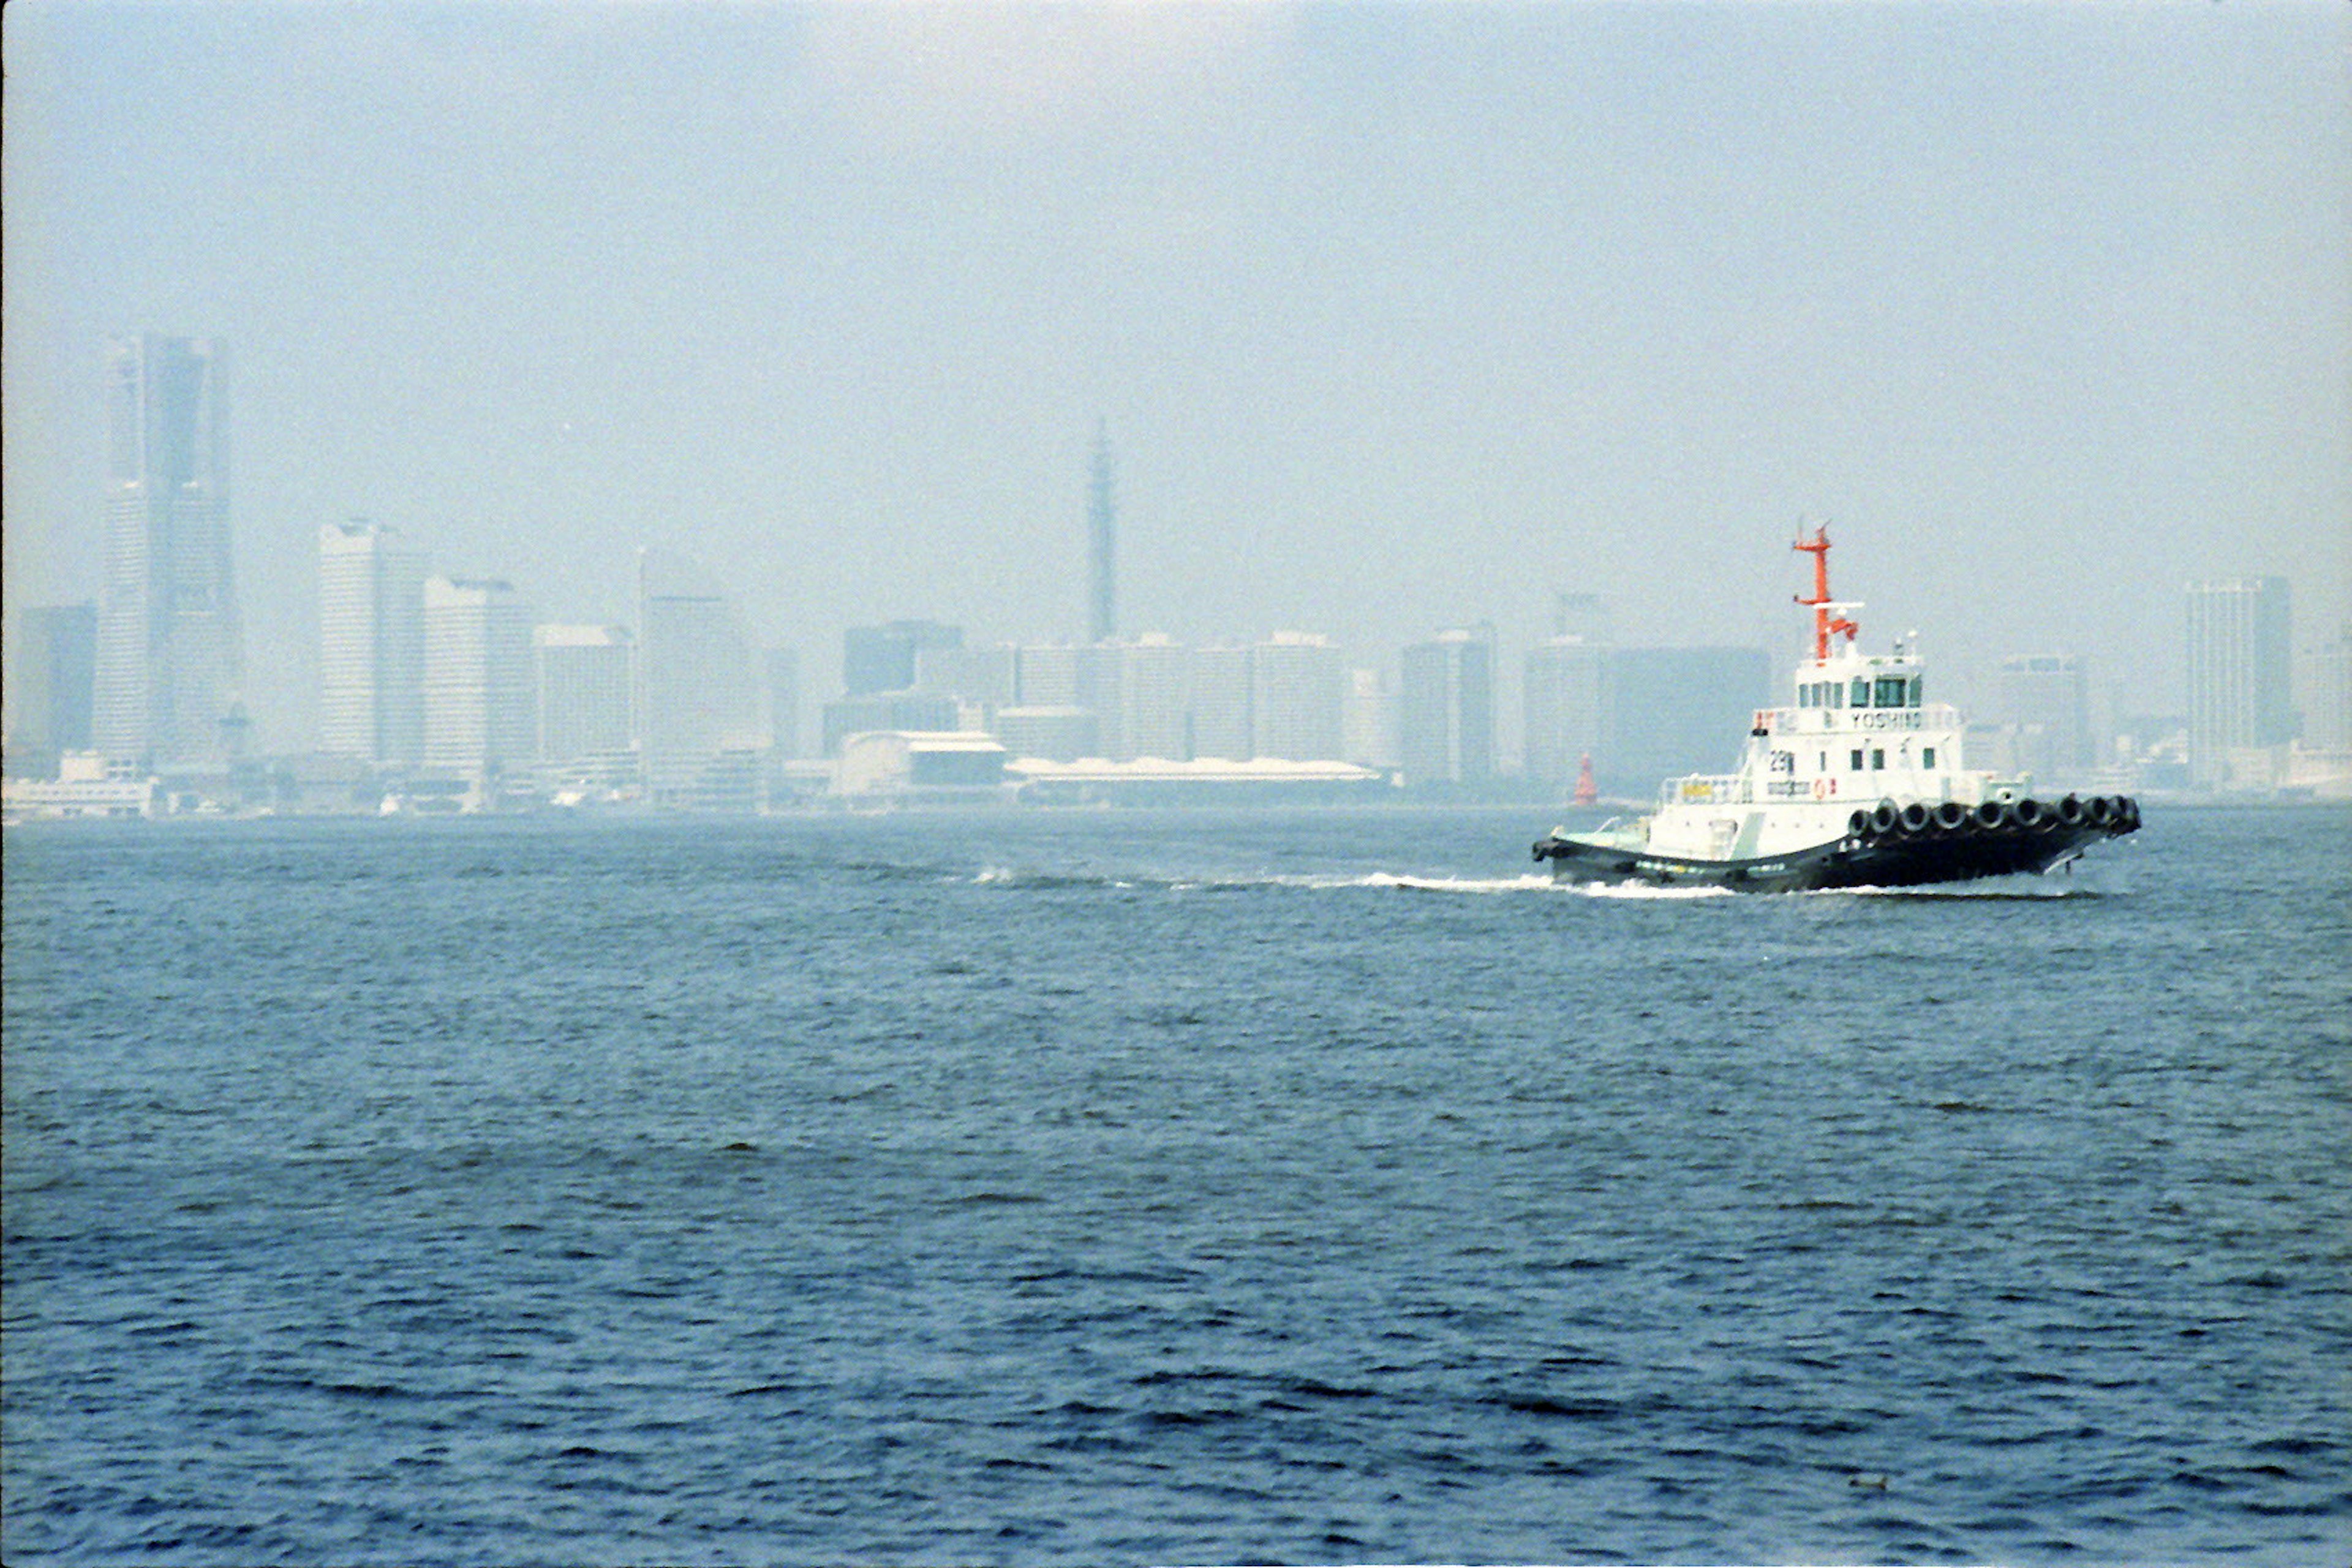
x=1153 y=700
x=371 y=645
x=479 y=719
x=1220 y=686
x=169 y=656
x=700 y=692
x=51 y=687
x=1295 y=690
x=1445 y=714
x=2240 y=698
x=586 y=681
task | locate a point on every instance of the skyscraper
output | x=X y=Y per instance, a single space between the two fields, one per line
x=2240 y=679
x=478 y=719
x=371 y=645
x=168 y=646
x=1102 y=606
x=1446 y=718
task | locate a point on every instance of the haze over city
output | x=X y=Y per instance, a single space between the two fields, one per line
x=1398 y=318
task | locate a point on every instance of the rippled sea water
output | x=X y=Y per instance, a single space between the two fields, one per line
x=1043 y=1188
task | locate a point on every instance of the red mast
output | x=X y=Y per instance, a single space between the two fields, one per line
x=1825 y=619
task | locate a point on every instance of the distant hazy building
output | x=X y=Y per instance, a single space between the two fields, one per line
x=1222 y=720
x=1582 y=616
x=52 y=687
x=1063 y=675
x=1566 y=702
x=478 y=721
x=1295 y=686
x=1102 y=602
x=1154 y=700
x=371 y=645
x=2046 y=714
x=1368 y=720
x=701 y=694
x=883 y=658
x=1060 y=733
x=2240 y=681
x=168 y=657
x=783 y=704
x=586 y=679
x=2328 y=704
x=916 y=764
x=877 y=711
x=1678 y=710
x=1445 y=711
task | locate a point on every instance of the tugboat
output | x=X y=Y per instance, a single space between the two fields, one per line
x=1859 y=784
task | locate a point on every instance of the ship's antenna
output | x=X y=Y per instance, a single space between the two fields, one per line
x=1827 y=618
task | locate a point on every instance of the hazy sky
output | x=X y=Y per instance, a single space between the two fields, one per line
x=1399 y=317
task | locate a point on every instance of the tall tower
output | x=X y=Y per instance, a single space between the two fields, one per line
x=1102 y=618
x=168 y=643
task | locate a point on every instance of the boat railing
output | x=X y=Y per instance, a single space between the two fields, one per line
x=1708 y=789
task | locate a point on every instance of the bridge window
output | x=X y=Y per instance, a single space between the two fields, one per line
x=1860 y=698
x=1918 y=686
x=1891 y=689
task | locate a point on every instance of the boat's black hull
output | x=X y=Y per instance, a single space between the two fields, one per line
x=1875 y=855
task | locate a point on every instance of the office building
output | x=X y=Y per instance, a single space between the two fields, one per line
x=586 y=679
x=478 y=721
x=371 y=645
x=168 y=655
x=1295 y=688
x=1445 y=711
x=2240 y=701
x=51 y=687
x=1566 y=702
x=701 y=694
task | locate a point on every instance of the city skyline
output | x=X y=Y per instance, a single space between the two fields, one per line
x=699 y=692
x=1401 y=319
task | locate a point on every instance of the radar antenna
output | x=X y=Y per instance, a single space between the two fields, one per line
x=1828 y=613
